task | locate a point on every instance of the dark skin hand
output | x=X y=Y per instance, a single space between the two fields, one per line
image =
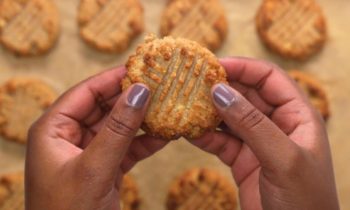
x=274 y=142
x=79 y=150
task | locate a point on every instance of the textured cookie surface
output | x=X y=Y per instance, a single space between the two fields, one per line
x=180 y=74
x=314 y=90
x=129 y=194
x=293 y=28
x=28 y=27
x=22 y=101
x=201 y=189
x=110 y=25
x=203 y=21
x=12 y=192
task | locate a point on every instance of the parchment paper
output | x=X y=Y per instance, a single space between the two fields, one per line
x=72 y=60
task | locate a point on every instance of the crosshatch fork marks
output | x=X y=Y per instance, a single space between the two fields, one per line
x=200 y=200
x=108 y=19
x=179 y=85
x=23 y=26
x=294 y=21
x=195 y=21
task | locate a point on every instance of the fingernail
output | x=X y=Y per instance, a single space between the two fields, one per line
x=223 y=96
x=138 y=96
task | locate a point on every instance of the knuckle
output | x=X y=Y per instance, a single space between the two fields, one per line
x=252 y=118
x=121 y=126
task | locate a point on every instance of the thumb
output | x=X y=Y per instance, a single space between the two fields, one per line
x=270 y=144
x=106 y=151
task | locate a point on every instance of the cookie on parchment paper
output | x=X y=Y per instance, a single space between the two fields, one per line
x=110 y=25
x=180 y=74
x=202 y=189
x=12 y=191
x=22 y=101
x=314 y=90
x=129 y=194
x=28 y=27
x=294 y=29
x=203 y=21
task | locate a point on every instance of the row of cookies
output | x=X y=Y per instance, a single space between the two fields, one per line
x=198 y=188
x=22 y=100
x=294 y=29
x=12 y=192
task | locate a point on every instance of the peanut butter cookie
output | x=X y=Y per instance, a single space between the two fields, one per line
x=292 y=28
x=129 y=194
x=28 y=27
x=314 y=90
x=203 y=21
x=202 y=189
x=22 y=101
x=12 y=191
x=180 y=74
x=110 y=25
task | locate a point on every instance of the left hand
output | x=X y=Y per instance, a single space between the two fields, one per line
x=79 y=150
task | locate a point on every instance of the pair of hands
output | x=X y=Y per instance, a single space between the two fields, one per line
x=274 y=142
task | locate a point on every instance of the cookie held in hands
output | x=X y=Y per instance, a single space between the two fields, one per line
x=180 y=74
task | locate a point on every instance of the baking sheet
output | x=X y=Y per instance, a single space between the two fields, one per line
x=72 y=60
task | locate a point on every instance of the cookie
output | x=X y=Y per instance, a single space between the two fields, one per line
x=180 y=74
x=22 y=101
x=201 y=189
x=294 y=29
x=28 y=27
x=12 y=191
x=203 y=21
x=314 y=90
x=129 y=194
x=110 y=25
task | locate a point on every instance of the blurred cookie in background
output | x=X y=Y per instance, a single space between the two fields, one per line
x=28 y=27
x=129 y=194
x=314 y=90
x=203 y=21
x=202 y=189
x=12 y=191
x=294 y=29
x=110 y=25
x=22 y=101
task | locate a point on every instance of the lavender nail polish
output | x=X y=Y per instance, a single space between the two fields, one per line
x=138 y=96
x=223 y=96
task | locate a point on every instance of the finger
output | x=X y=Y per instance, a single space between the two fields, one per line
x=141 y=148
x=270 y=145
x=267 y=79
x=253 y=97
x=231 y=151
x=224 y=146
x=79 y=102
x=108 y=148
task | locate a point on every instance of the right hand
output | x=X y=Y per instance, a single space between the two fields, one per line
x=275 y=142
